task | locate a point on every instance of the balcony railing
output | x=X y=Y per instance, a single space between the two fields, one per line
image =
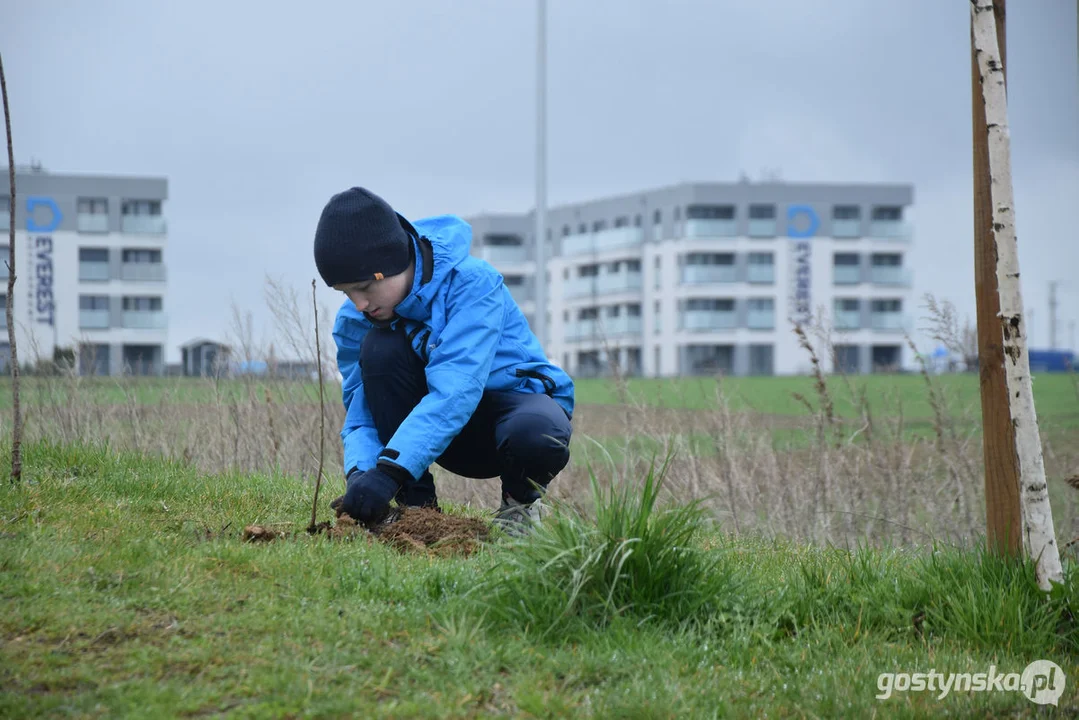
x=762 y=228
x=892 y=229
x=711 y=228
x=93 y=271
x=85 y=222
x=143 y=224
x=614 y=238
x=704 y=320
x=145 y=319
x=846 y=274
x=143 y=272
x=848 y=320
x=703 y=274
x=504 y=254
x=761 y=319
x=887 y=321
x=605 y=328
x=764 y=274
x=580 y=286
x=610 y=239
x=521 y=294
x=618 y=282
x=93 y=319
x=846 y=228
x=890 y=275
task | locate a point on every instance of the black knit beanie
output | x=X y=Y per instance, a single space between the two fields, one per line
x=360 y=237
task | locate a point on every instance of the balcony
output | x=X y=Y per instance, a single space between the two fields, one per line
x=846 y=274
x=762 y=228
x=846 y=228
x=848 y=320
x=711 y=228
x=761 y=319
x=602 y=240
x=144 y=320
x=890 y=275
x=143 y=224
x=521 y=294
x=93 y=271
x=618 y=282
x=888 y=321
x=704 y=274
x=93 y=319
x=496 y=254
x=890 y=229
x=580 y=286
x=143 y=272
x=707 y=320
x=96 y=223
x=615 y=238
x=763 y=274
x=605 y=328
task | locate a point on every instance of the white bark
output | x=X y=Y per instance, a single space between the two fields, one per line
x=1039 y=537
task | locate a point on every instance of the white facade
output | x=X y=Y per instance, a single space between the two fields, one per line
x=698 y=295
x=90 y=272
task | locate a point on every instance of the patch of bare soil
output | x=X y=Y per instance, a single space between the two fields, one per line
x=422 y=530
x=427 y=530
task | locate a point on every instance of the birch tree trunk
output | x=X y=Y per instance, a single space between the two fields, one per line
x=1039 y=536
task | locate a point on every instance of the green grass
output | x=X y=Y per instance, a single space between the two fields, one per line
x=118 y=603
x=1056 y=395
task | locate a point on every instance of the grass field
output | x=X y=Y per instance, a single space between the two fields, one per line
x=1056 y=395
x=123 y=597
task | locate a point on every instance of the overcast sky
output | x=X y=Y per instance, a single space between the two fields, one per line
x=258 y=112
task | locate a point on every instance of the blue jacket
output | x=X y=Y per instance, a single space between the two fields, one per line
x=466 y=326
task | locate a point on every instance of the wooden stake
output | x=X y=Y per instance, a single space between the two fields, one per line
x=321 y=412
x=1039 y=537
x=1002 y=514
x=16 y=427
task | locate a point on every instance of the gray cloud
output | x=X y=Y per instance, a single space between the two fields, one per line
x=257 y=112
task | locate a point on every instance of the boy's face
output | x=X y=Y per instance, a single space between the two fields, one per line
x=378 y=298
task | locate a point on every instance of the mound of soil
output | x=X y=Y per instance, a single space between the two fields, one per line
x=427 y=530
x=422 y=530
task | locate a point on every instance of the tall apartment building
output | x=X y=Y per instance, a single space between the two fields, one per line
x=90 y=270
x=702 y=278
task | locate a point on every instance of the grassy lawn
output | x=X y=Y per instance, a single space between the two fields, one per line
x=1056 y=395
x=119 y=603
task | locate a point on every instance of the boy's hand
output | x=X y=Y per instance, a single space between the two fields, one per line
x=368 y=497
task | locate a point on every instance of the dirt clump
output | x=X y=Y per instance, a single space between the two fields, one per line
x=260 y=533
x=428 y=530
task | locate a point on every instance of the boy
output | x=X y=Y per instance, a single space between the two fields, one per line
x=438 y=365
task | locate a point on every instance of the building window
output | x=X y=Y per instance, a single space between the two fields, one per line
x=582 y=229
x=761 y=360
x=93 y=206
x=887 y=260
x=590 y=313
x=142 y=256
x=888 y=213
x=762 y=212
x=622 y=221
x=588 y=271
x=657 y=217
x=141 y=303
x=141 y=207
x=711 y=304
x=565 y=230
x=710 y=212
x=709 y=258
x=93 y=302
x=633 y=309
x=886 y=306
x=846 y=212
x=599 y=225
x=514 y=280
x=847 y=259
x=848 y=358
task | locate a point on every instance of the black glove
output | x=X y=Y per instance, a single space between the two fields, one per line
x=368 y=497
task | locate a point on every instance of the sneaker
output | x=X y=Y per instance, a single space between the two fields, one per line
x=516 y=518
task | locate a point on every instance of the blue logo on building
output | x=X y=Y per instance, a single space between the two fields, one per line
x=802 y=221
x=32 y=203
